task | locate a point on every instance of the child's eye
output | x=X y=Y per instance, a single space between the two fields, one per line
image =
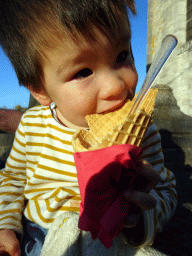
x=83 y=73
x=122 y=56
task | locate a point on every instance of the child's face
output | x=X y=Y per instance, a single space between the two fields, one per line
x=87 y=77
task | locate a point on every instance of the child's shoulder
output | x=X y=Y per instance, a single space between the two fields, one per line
x=38 y=113
x=37 y=110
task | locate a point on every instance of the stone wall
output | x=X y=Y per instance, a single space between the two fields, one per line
x=173 y=117
x=175 y=129
x=170 y=17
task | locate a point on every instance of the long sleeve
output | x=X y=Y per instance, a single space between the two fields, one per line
x=40 y=177
x=164 y=192
x=12 y=182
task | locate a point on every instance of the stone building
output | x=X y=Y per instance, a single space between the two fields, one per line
x=173 y=17
x=173 y=108
x=173 y=114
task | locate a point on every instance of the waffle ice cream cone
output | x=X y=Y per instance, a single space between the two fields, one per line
x=116 y=127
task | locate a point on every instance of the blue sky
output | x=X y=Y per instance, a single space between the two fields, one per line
x=11 y=94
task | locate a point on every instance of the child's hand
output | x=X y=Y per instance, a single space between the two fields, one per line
x=142 y=200
x=9 y=243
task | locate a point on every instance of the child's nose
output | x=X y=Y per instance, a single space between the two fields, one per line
x=112 y=86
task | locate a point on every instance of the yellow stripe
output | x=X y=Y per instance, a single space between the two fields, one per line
x=6 y=179
x=37 y=196
x=10 y=211
x=20 y=132
x=38 y=125
x=57 y=159
x=169 y=187
x=61 y=208
x=70 y=191
x=18 y=151
x=39 y=177
x=157 y=162
x=19 y=142
x=45 y=125
x=11 y=224
x=17 y=160
x=171 y=192
x=162 y=170
x=41 y=216
x=29 y=213
x=70 y=209
x=9 y=173
x=57 y=170
x=56 y=192
x=49 y=189
x=151 y=145
x=168 y=178
x=32 y=162
x=47 y=146
x=151 y=154
x=10 y=185
x=28 y=191
x=48 y=179
x=51 y=209
x=48 y=136
x=39 y=107
x=9 y=194
x=77 y=198
x=14 y=167
x=9 y=217
x=150 y=135
x=10 y=179
x=27 y=177
x=38 y=116
x=173 y=179
x=7 y=202
x=168 y=175
x=31 y=169
x=60 y=130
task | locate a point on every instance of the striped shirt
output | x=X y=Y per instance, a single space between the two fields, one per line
x=40 y=177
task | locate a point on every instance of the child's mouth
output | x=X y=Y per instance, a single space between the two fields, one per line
x=115 y=107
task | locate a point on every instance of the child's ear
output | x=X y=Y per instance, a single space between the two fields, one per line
x=41 y=96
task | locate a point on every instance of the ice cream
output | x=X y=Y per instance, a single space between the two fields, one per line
x=106 y=158
x=116 y=127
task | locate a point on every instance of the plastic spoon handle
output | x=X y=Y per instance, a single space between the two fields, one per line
x=168 y=44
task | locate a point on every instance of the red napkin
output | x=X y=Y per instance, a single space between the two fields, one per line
x=103 y=176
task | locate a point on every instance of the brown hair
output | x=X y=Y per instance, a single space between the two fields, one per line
x=28 y=27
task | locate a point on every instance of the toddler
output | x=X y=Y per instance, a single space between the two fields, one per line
x=74 y=56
